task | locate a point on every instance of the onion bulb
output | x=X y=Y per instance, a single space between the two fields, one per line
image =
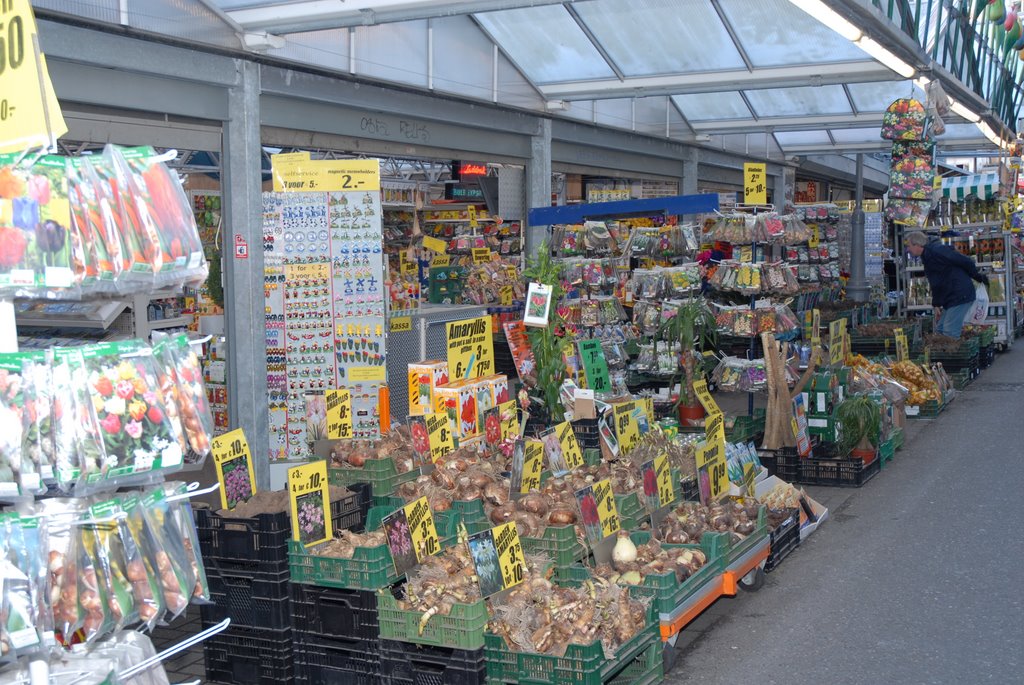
x=624 y=552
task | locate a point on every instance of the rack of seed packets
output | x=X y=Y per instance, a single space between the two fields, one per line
x=325 y=307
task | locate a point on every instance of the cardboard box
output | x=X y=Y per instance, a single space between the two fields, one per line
x=807 y=526
x=424 y=378
x=459 y=399
x=584 y=406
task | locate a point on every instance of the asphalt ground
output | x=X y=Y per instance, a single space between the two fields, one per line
x=915 y=578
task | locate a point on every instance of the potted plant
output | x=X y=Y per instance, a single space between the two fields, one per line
x=861 y=420
x=548 y=347
x=693 y=328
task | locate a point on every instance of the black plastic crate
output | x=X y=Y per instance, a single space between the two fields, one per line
x=250 y=657
x=691 y=490
x=250 y=599
x=781 y=462
x=988 y=355
x=331 y=616
x=318 y=665
x=587 y=434
x=846 y=473
x=406 y=663
x=263 y=538
x=784 y=539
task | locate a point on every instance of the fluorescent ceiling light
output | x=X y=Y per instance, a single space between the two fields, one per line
x=883 y=55
x=827 y=16
x=963 y=111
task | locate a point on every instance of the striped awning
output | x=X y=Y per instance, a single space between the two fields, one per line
x=982 y=186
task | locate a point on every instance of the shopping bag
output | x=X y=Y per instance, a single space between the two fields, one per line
x=979 y=312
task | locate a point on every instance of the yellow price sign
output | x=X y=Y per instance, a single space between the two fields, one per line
x=406 y=266
x=815 y=327
x=401 y=324
x=470 y=348
x=755 y=183
x=310 y=503
x=658 y=489
x=30 y=115
x=712 y=473
x=571 y=451
x=435 y=245
x=835 y=342
x=471 y=212
x=363 y=374
x=700 y=388
x=815 y=240
x=533 y=464
x=421 y=526
x=902 y=350
x=607 y=511
x=714 y=429
x=481 y=255
x=339 y=415
x=509 y=419
x=439 y=433
x=234 y=468
x=325 y=175
x=505 y=294
x=627 y=428
x=510 y=554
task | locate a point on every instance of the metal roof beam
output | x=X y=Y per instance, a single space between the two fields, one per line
x=947 y=145
x=798 y=123
x=316 y=15
x=715 y=81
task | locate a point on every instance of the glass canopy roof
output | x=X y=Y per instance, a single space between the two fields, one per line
x=692 y=70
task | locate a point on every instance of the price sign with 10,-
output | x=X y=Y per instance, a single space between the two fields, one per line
x=234 y=468
x=411 y=535
x=439 y=434
x=755 y=183
x=498 y=558
x=310 y=503
x=470 y=348
x=339 y=414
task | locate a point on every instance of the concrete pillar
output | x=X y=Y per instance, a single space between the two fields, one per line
x=538 y=184
x=857 y=289
x=243 y=275
x=688 y=182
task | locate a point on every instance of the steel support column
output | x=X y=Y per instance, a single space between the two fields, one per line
x=688 y=182
x=243 y=276
x=538 y=183
x=858 y=288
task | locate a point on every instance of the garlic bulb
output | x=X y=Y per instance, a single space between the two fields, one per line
x=624 y=552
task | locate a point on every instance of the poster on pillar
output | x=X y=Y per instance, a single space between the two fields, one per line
x=324 y=290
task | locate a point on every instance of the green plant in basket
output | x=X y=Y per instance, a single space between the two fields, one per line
x=548 y=348
x=861 y=419
x=694 y=329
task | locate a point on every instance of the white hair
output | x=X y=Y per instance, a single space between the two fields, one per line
x=917 y=238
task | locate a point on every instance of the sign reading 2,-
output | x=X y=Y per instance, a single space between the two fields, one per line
x=470 y=348
x=755 y=183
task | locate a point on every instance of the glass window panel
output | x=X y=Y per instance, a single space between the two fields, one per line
x=775 y=33
x=712 y=106
x=805 y=100
x=966 y=131
x=650 y=115
x=789 y=138
x=546 y=44
x=393 y=52
x=327 y=48
x=617 y=113
x=645 y=37
x=463 y=57
x=857 y=135
x=876 y=97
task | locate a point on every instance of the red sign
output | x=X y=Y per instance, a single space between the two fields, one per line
x=470 y=169
x=241 y=247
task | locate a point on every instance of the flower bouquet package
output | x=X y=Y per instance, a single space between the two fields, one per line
x=37 y=252
x=138 y=435
x=160 y=201
x=904 y=120
x=187 y=393
x=78 y=447
x=911 y=173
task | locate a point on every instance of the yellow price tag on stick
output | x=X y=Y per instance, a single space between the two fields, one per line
x=835 y=342
x=658 y=489
x=510 y=554
x=439 y=434
x=30 y=115
x=339 y=414
x=714 y=429
x=234 y=468
x=481 y=255
x=435 y=245
x=533 y=465
x=470 y=348
x=411 y=535
x=712 y=474
x=310 y=503
x=498 y=558
x=598 y=511
x=571 y=451
x=700 y=388
x=816 y=327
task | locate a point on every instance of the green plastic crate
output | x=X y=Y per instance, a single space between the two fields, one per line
x=629 y=506
x=731 y=553
x=558 y=543
x=886 y=451
x=646 y=669
x=897 y=437
x=381 y=473
x=581 y=665
x=667 y=593
x=462 y=628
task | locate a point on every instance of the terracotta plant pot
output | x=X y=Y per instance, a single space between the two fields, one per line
x=867 y=455
x=690 y=414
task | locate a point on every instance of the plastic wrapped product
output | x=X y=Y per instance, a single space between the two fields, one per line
x=145 y=583
x=182 y=523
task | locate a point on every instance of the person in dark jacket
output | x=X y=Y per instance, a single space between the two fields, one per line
x=950 y=275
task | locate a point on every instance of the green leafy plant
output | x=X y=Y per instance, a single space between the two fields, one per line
x=694 y=329
x=861 y=421
x=548 y=348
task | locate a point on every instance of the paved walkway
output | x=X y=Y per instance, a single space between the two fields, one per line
x=916 y=577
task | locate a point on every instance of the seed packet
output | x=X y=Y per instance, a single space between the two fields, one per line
x=79 y=446
x=158 y=195
x=110 y=560
x=145 y=583
x=93 y=220
x=123 y=387
x=12 y=461
x=37 y=255
x=93 y=595
x=62 y=564
x=181 y=518
x=141 y=256
x=167 y=556
x=176 y=354
x=37 y=440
